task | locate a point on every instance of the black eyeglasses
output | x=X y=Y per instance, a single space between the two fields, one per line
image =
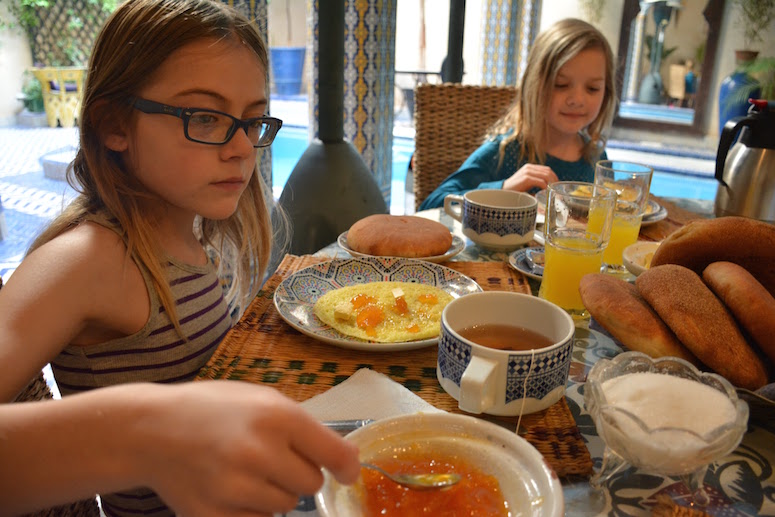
x=213 y=127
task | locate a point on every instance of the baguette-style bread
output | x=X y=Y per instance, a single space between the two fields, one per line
x=747 y=242
x=702 y=323
x=620 y=309
x=749 y=302
x=399 y=236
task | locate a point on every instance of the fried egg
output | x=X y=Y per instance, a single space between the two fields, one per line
x=386 y=312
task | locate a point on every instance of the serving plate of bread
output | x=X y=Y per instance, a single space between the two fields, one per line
x=707 y=297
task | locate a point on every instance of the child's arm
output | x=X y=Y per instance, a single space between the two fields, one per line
x=78 y=288
x=207 y=448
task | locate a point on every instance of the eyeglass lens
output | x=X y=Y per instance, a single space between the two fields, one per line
x=215 y=128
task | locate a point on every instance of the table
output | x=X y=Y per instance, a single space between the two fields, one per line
x=262 y=348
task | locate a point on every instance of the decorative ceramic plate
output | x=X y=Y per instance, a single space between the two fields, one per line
x=297 y=294
x=654 y=213
x=528 y=484
x=458 y=245
x=518 y=261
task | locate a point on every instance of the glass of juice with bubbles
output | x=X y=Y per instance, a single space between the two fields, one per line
x=577 y=230
x=631 y=181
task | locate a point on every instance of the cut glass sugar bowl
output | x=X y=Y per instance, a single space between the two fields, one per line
x=662 y=416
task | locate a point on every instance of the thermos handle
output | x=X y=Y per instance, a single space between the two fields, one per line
x=728 y=134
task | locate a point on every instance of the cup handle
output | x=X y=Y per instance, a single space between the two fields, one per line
x=453 y=206
x=477 y=386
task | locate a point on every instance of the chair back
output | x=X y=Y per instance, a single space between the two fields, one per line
x=450 y=123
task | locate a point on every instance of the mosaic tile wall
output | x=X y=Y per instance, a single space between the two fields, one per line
x=508 y=30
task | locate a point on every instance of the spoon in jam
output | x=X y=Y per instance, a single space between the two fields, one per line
x=418 y=481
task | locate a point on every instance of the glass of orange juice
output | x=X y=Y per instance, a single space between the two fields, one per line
x=578 y=224
x=631 y=181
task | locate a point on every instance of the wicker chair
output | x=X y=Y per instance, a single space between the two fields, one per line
x=37 y=389
x=450 y=123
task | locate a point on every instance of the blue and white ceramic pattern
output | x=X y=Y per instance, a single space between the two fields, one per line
x=295 y=297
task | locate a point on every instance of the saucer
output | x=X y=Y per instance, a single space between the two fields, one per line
x=518 y=261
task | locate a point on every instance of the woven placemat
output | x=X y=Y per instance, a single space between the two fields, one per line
x=263 y=348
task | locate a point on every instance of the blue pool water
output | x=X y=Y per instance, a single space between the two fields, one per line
x=291 y=142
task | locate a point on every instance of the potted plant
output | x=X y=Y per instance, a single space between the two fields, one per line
x=753 y=17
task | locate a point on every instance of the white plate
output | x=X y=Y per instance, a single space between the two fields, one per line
x=528 y=484
x=518 y=262
x=634 y=256
x=295 y=297
x=458 y=245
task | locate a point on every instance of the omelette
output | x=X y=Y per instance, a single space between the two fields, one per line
x=386 y=312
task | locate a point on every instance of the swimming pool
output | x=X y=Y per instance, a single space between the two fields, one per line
x=291 y=142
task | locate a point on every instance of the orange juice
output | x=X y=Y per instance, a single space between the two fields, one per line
x=623 y=233
x=567 y=260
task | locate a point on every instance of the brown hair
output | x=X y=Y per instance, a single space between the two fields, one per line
x=554 y=47
x=135 y=41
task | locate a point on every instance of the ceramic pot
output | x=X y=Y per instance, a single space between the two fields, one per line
x=731 y=102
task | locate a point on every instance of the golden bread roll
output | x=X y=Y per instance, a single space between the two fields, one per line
x=747 y=242
x=748 y=301
x=620 y=309
x=387 y=235
x=702 y=323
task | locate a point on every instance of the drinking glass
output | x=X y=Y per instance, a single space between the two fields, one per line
x=578 y=223
x=631 y=181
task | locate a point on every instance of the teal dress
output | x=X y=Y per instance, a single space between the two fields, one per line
x=481 y=171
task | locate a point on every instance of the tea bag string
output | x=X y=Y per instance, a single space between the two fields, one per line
x=524 y=388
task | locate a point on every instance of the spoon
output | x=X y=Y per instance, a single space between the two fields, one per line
x=418 y=481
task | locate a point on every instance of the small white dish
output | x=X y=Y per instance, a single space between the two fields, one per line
x=518 y=261
x=637 y=256
x=457 y=246
x=295 y=297
x=529 y=485
x=654 y=213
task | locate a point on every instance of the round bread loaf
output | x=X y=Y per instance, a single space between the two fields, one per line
x=747 y=242
x=749 y=302
x=620 y=309
x=702 y=323
x=399 y=236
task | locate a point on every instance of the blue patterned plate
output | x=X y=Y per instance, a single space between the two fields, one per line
x=458 y=245
x=297 y=294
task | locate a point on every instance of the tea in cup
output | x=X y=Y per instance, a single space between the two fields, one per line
x=501 y=220
x=504 y=353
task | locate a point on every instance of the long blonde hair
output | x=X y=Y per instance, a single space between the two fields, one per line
x=526 y=121
x=134 y=42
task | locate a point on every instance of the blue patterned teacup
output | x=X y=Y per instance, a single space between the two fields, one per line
x=494 y=219
x=485 y=379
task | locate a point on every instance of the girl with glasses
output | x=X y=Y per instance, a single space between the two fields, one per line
x=120 y=287
x=556 y=128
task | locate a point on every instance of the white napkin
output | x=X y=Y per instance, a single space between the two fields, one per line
x=366 y=395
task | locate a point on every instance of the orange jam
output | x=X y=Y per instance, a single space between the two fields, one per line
x=428 y=299
x=476 y=494
x=361 y=300
x=369 y=317
x=413 y=328
x=400 y=306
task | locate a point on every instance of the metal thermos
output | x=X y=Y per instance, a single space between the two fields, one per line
x=746 y=172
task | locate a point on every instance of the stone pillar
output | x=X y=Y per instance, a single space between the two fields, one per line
x=508 y=30
x=369 y=72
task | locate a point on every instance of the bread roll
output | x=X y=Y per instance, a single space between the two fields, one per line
x=620 y=309
x=399 y=236
x=747 y=242
x=749 y=302
x=701 y=323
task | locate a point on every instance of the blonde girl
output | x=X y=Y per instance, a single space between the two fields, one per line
x=119 y=288
x=556 y=128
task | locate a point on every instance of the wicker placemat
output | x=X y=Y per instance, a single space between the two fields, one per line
x=263 y=349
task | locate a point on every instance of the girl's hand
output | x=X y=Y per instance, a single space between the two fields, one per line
x=530 y=176
x=229 y=447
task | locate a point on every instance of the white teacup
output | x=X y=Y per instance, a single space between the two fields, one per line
x=490 y=380
x=494 y=219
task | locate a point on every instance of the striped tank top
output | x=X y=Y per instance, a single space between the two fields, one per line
x=156 y=353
